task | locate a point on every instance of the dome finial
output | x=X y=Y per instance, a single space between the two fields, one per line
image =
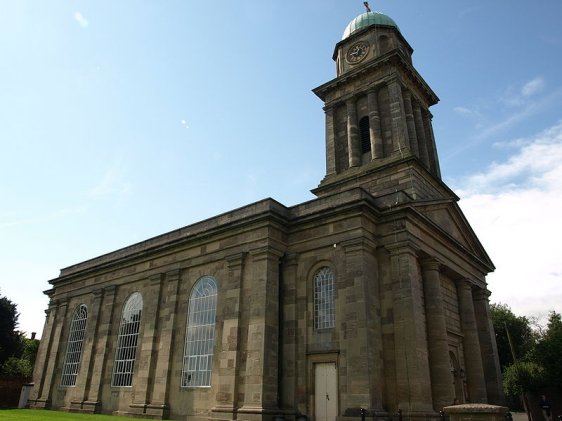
x=366 y=3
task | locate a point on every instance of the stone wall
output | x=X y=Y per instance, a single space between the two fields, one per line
x=10 y=389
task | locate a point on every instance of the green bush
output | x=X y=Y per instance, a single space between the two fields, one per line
x=17 y=367
x=523 y=377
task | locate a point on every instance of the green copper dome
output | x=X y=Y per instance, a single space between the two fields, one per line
x=368 y=19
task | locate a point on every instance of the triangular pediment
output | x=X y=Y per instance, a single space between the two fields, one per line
x=447 y=215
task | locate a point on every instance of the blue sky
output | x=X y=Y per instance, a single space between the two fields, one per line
x=122 y=120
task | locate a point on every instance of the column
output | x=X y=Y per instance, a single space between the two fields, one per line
x=487 y=338
x=377 y=150
x=86 y=363
x=230 y=348
x=330 y=141
x=261 y=377
x=471 y=343
x=399 y=130
x=361 y=323
x=407 y=96
x=54 y=353
x=410 y=338
x=442 y=386
x=353 y=141
x=148 y=354
x=93 y=403
x=420 y=131
x=43 y=355
x=168 y=311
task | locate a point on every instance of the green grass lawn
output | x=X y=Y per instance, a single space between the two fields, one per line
x=42 y=415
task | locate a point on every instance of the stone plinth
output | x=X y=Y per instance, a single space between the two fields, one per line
x=476 y=412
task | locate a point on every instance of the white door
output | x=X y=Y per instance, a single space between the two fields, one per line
x=326 y=392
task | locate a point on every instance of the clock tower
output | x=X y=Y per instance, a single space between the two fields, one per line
x=378 y=126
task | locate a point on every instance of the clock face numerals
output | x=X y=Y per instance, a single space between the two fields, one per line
x=357 y=52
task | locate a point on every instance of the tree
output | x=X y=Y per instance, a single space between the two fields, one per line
x=548 y=351
x=523 y=377
x=519 y=328
x=10 y=337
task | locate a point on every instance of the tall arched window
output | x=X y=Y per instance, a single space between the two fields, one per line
x=200 y=334
x=127 y=341
x=364 y=133
x=324 y=299
x=74 y=346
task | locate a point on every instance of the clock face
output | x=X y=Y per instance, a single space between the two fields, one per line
x=357 y=52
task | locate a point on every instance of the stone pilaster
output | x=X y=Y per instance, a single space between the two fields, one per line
x=377 y=148
x=431 y=147
x=420 y=131
x=262 y=349
x=399 y=129
x=361 y=328
x=353 y=141
x=101 y=364
x=472 y=355
x=289 y=336
x=442 y=386
x=231 y=347
x=55 y=353
x=330 y=141
x=147 y=355
x=410 y=338
x=407 y=95
x=168 y=310
x=487 y=338
x=86 y=365
x=43 y=356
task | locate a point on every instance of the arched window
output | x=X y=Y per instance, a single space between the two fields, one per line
x=127 y=341
x=200 y=334
x=74 y=346
x=324 y=299
x=365 y=135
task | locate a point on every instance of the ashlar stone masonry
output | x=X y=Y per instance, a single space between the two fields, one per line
x=373 y=295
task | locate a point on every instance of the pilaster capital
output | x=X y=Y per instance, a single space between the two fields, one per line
x=235 y=261
x=431 y=264
x=481 y=294
x=291 y=259
x=173 y=275
x=266 y=253
x=393 y=81
x=357 y=245
x=156 y=279
x=59 y=302
x=110 y=290
x=350 y=104
x=402 y=248
x=97 y=293
x=463 y=284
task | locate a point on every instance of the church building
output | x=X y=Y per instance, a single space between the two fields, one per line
x=371 y=296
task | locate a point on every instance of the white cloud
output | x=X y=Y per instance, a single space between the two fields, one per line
x=82 y=21
x=515 y=207
x=532 y=87
x=519 y=97
x=111 y=183
x=463 y=111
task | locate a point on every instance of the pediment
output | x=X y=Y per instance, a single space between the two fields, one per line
x=448 y=216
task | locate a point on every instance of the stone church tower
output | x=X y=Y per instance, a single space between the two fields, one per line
x=371 y=296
